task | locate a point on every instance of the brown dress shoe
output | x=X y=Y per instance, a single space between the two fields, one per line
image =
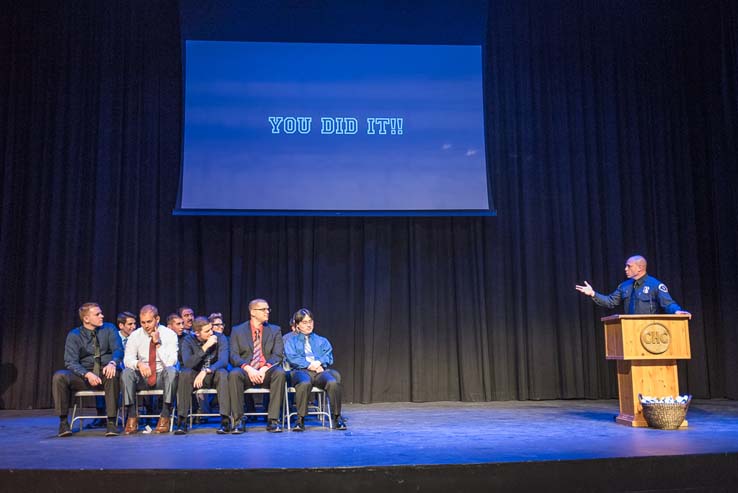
x=162 y=426
x=131 y=425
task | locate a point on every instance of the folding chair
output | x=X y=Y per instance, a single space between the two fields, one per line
x=159 y=392
x=198 y=414
x=260 y=390
x=79 y=397
x=321 y=406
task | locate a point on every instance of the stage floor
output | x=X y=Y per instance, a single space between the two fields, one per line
x=390 y=434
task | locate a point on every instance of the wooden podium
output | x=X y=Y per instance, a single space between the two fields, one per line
x=646 y=348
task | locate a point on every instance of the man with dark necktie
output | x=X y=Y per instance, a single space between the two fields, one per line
x=641 y=294
x=92 y=353
x=126 y=324
x=150 y=359
x=310 y=357
x=204 y=360
x=256 y=355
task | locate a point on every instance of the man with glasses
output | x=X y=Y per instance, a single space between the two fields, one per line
x=256 y=356
x=207 y=402
x=310 y=357
x=216 y=320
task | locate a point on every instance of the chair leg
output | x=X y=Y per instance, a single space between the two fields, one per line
x=328 y=409
x=74 y=414
x=286 y=409
x=321 y=407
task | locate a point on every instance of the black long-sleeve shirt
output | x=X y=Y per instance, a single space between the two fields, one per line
x=79 y=349
x=193 y=357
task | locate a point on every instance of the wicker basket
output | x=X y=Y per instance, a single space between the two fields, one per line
x=663 y=415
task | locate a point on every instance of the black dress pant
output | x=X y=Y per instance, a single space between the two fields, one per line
x=274 y=380
x=65 y=383
x=217 y=380
x=304 y=380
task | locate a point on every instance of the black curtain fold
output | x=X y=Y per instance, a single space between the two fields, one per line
x=612 y=129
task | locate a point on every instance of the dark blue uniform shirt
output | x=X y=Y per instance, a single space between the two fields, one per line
x=651 y=296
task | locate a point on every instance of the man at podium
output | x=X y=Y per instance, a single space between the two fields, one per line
x=641 y=294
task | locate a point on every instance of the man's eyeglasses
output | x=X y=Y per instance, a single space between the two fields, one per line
x=262 y=309
x=218 y=325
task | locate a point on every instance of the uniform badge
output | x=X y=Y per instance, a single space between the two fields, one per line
x=645 y=290
x=662 y=287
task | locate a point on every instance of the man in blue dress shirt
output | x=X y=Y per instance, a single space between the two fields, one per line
x=310 y=357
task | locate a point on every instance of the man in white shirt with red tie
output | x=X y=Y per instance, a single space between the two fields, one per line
x=150 y=359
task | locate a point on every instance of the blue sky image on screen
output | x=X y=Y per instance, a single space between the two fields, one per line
x=250 y=146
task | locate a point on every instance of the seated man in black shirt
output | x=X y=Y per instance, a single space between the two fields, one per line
x=92 y=354
x=204 y=361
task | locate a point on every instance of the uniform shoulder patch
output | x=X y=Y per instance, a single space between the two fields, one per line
x=662 y=287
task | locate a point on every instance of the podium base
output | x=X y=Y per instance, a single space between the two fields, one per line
x=626 y=420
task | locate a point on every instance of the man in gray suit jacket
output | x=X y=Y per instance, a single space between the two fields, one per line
x=256 y=355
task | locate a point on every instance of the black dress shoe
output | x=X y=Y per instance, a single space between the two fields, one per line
x=112 y=430
x=273 y=426
x=300 y=425
x=64 y=429
x=181 y=427
x=225 y=427
x=338 y=423
x=238 y=430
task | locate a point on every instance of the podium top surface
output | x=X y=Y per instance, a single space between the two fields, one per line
x=644 y=316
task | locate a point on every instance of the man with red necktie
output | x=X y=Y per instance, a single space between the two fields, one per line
x=150 y=359
x=256 y=355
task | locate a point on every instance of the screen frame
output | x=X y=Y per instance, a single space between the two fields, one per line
x=489 y=212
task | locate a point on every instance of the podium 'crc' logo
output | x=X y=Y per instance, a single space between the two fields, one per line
x=655 y=338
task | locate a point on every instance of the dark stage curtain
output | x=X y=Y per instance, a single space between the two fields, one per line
x=612 y=130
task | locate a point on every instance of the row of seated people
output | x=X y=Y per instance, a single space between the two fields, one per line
x=178 y=361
